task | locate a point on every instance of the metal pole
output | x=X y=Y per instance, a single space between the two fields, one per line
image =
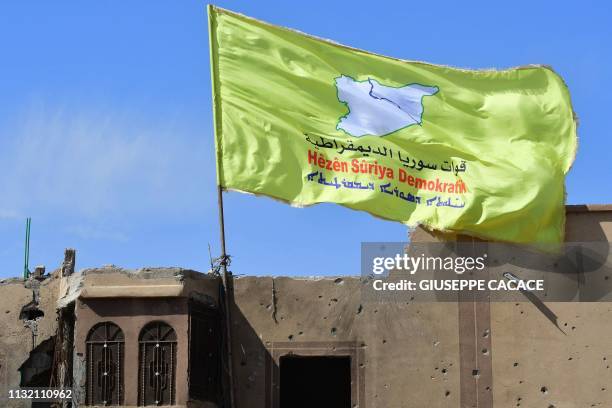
x=29 y=228
x=222 y=229
x=26 y=261
x=227 y=285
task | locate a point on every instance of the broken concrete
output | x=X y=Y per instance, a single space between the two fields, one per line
x=28 y=313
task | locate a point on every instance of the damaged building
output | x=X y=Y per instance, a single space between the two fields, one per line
x=157 y=336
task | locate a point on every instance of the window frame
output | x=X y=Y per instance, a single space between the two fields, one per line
x=164 y=348
x=108 y=342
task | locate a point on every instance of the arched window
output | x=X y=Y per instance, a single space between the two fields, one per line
x=105 y=365
x=157 y=364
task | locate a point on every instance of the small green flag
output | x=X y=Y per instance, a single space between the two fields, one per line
x=306 y=121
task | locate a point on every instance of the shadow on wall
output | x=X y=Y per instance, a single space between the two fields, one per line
x=36 y=370
x=251 y=361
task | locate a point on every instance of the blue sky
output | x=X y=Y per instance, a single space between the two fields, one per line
x=106 y=124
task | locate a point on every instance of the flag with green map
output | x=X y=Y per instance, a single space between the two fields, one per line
x=307 y=121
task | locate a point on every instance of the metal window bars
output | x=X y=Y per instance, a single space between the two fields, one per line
x=104 y=361
x=157 y=365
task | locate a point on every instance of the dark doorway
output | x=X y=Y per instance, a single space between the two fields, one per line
x=320 y=381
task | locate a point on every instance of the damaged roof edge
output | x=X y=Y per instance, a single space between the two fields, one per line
x=148 y=272
x=114 y=282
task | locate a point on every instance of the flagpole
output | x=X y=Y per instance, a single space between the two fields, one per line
x=222 y=229
x=227 y=286
x=227 y=275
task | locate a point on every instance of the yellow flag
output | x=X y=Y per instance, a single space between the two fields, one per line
x=307 y=121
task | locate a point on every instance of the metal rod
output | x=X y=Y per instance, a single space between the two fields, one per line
x=227 y=285
x=29 y=229
x=26 y=260
x=222 y=229
x=25 y=253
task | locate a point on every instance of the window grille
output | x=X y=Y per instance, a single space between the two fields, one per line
x=104 y=361
x=157 y=365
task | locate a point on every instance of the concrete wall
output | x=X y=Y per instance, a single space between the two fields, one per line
x=537 y=365
x=529 y=361
x=16 y=340
x=429 y=354
x=407 y=354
